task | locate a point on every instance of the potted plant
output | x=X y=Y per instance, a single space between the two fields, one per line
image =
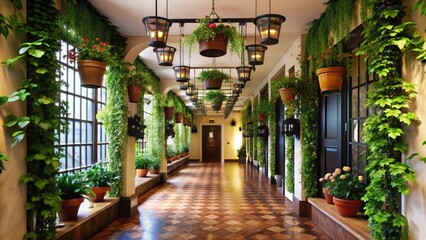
x=92 y=58
x=213 y=38
x=347 y=190
x=168 y=107
x=154 y=165
x=185 y=151
x=215 y=97
x=134 y=85
x=141 y=164
x=99 y=178
x=287 y=89
x=213 y=78
x=241 y=153
x=333 y=64
x=327 y=180
x=264 y=108
x=169 y=154
x=72 y=188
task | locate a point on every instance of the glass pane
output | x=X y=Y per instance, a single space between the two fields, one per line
x=83 y=155
x=77 y=132
x=354 y=155
x=354 y=104
x=70 y=157
x=70 y=100
x=355 y=130
x=77 y=156
x=363 y=70
x=362 y=101
x=89 y=131
x=362 y=159
x=89 y=154
x=77 y=108
x=361 y=130
x=354 y=72
x=70 y=133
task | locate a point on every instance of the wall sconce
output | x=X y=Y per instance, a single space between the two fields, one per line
x=240 y=129
x=290 y=127
x=165 y=55
x=233 y=123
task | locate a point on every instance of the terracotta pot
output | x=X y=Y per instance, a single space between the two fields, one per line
x=328 y=197
x=100 y=193
x=141 y=172
x=154 y=171
x=347 y=208
x=213 y=84
x=215 y=47
x=69 y=208
x=185 y=121
x=178 y=117
x=261 y=117
x=216 y=106
x=134 y=93
x=287 y=95
x=330 y=79
x=168 y=112
x=170 y=159
x=91 y=73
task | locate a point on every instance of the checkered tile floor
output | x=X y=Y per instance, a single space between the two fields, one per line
x=213 y=201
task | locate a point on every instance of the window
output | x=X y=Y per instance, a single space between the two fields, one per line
x=85 y=141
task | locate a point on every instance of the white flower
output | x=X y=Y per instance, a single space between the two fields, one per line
x=327 y=176
x=321 y=179
x=361 y=178
x=346 y=169
x=342 y=176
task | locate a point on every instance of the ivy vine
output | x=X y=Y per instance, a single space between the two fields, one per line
x=386 y=38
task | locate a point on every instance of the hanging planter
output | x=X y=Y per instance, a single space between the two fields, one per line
x=261 y=117
x=215 y=97
x=134 y=93
x=216 y=106
x=168 y=112
x=287 y=95
x=91 y=73
x=330 y=79
x=178 y=117
x=213 y=78
x=215 y=47
x=185 y=121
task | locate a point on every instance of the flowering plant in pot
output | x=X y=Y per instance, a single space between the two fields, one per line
x=92 y=57
x=215 y=97
x=347 y=190
x=214 y=37
x=332 y=66
x=327 y=180
x=287 y=87
x=213 y=78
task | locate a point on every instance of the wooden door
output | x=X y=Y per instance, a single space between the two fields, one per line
x=212 y=142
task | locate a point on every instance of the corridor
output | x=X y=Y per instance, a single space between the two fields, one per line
x=213 y=201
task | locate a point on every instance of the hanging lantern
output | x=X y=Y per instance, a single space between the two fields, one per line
x=244 y=72
x=256 y=54
x=181 y=73
x=194 y=96
x=183 y=85
x=190 y=90
x=165 y=55
x=157 y=29
x=290 y=126
x=240 y=84
x=269 y=26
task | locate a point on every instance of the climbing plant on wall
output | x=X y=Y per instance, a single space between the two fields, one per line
x=386 y=38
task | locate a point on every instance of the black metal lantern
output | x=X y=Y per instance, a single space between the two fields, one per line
x=256 y=54
x=240 y=84
x=165 y=55
x=182 y=73
x=244 y=73
x=183 y=85
x=290 y=127
x=157 y=29
x=269 y=26
x=190 y=90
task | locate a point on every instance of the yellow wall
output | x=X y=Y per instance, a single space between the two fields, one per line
x=231 y=135
x=12 y=194
x=415 y=202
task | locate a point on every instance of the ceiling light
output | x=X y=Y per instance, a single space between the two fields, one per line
x=244 y=73
x=157 y=29
x=256 y=54
x=269 y=26
x=165 y=55
x=182 y=73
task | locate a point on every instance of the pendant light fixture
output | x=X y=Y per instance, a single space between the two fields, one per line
x=269 y=26
x=183 y=85
x=243 y=71
x=165 y=55
x=157 y=29
x=181 y=71
x=256 y=52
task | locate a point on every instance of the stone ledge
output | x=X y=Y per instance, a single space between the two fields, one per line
x=326 y=217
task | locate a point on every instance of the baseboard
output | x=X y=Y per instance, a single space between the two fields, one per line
x=231 y=160
x=301 y=208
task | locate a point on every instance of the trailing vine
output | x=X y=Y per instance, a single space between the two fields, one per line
x=386 y=38
x=289 y=176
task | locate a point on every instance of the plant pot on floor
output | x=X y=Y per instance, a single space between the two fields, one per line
x=134 y=93
x=242 y=159
x=347 y=208
x=330 y=79
x=287 y=95
x=327 y=196
x=69 y=208
x=91 y=73
x=215 y=47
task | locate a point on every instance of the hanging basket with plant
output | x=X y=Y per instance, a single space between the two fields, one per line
x=213 y=78
x=134 y=85
x=92 y=58
x=214 y=37
x=287 y=88
x=215 y=97
x=332 y=67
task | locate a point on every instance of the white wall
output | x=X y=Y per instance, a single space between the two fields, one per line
x=13 y=195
